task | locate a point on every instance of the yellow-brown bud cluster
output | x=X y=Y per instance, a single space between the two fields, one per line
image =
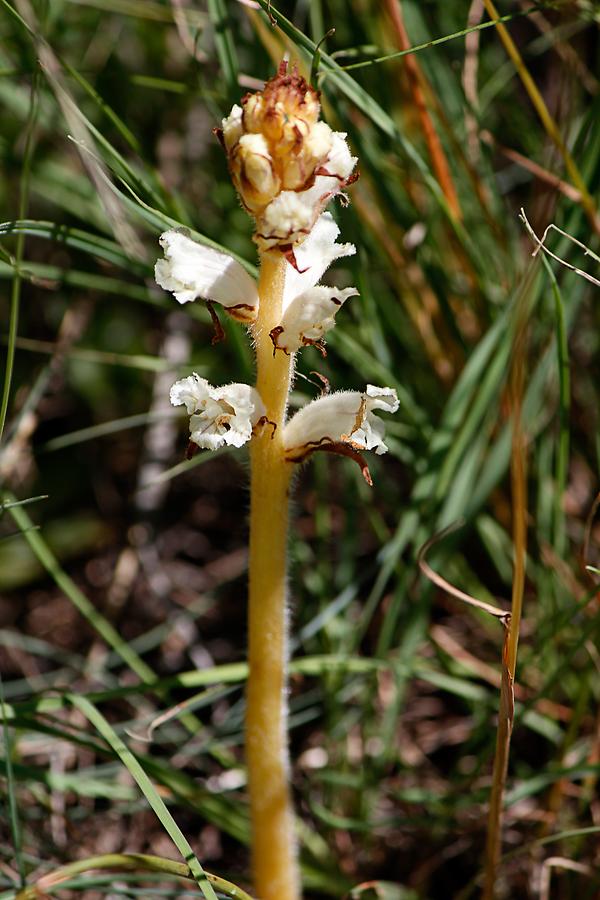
x=278 y=150
x=277 y=142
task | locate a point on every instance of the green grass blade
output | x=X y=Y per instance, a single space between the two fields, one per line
x=79 y=600
x=121 y=127
x=564 y=403
x=120 y=862
x=437 y=41
x=219 y=12
x=16 y=283
x=96 y=718
x=93 y=244
x=8 y=504
x=13 y=807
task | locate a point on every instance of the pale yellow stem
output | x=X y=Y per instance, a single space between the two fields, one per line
x=275 y=862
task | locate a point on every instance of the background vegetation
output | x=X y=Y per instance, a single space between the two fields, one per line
x=122 y=565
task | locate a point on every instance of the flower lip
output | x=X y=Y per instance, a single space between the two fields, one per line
x=313 y=257
x=309 y=309
x=190 y=270
x=308 y=317
x=219 y=416
x=345 y=419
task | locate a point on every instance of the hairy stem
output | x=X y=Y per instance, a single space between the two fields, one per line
x=275 y=861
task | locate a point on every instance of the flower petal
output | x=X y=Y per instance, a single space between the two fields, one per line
x=286 y=220
x=253 y=172
x=345 y=417
x=340 y=162
x=221 y=415
x=192 y=270
x=308 y=317
x=190 y=392
x=232 y=127
x=313 y=257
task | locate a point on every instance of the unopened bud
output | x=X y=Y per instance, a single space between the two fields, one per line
x=253 y=172
x=283 y=161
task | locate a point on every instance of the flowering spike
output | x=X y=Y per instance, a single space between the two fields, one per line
x=286 y=166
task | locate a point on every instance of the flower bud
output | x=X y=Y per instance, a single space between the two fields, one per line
x=253 y=172
x=232 y=128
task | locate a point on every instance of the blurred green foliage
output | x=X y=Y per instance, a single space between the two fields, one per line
x=394 y=698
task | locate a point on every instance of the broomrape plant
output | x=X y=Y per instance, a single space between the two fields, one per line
x=286 y=166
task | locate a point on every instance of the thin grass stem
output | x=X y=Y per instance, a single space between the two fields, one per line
x=511 y=637
x=547 y=121
x=15 y=297
x=124 y=862
x=11 y=795
x=417 y=81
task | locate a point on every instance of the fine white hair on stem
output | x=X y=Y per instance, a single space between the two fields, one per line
x=541 y=245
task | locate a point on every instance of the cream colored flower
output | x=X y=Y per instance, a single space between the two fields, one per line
x=190 y=270
x=344 y=422
x=309 y=317
x=232 y=129
x=309 y=310
x=218 y=416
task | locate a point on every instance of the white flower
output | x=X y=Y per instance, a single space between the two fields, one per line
x=308 y=311
x=192 y=270
x=340 y=162
x=309 y=317
x=286 y=221
x=221 y=415
x=343 y=422
x=314 y=256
